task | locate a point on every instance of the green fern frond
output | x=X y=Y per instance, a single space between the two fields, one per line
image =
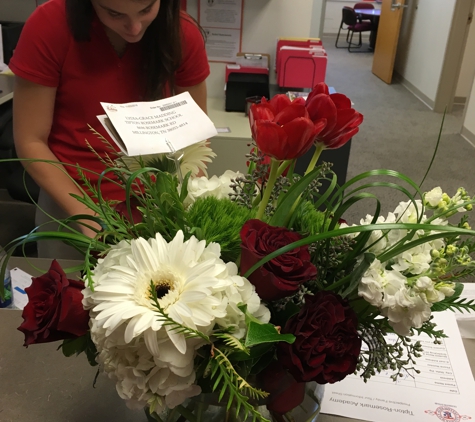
x=459 y=304
x=232 y=342
x=234 y=386
x=179 y=328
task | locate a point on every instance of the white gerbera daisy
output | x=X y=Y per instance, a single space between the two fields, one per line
x=190 y=280
x=194 y=158
x=148 y=360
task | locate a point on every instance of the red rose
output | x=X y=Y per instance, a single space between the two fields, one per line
x=136 y=216
x=281 y=276
x=327 y=345
x=54 y=310
x=342 y=120
x=285 y=393
x=281 y=128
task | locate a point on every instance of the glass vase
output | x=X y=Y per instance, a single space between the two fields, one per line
x=207 y=408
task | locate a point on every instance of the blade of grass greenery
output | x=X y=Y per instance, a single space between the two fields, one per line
x=363 y=237
x=435 y=149
x=355 y=275
x=349 y=203
x=282 y=211
x=443 y=231
x=379 y=172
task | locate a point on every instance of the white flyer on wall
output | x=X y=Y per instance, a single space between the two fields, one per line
x=221 y=13
x=443 y=390
x=222 y=45
x=222 y=22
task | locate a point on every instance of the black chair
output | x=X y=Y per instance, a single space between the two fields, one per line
x=350 y=23
x=15 y=177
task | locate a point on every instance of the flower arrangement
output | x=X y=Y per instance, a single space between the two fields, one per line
x=251 y=285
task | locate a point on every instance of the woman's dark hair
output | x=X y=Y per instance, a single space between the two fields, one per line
x=161 y=43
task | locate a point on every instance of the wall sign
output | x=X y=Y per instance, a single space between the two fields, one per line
x=222 y=23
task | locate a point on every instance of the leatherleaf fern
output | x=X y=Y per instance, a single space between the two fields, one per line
x=230 y=383
x=234 y=391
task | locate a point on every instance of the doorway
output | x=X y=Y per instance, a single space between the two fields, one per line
x=458 y=70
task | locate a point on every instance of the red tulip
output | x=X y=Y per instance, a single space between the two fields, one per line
x=281 y=128
x=342 y=120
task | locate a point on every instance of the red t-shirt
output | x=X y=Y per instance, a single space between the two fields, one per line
x=86 y=73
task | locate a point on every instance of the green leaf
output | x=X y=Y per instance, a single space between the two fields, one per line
x=75 y=346
x=254 y=353
x=455 y=302
x=357 y=273
x=282 y=211
x=265 y=333
x=281 y=317
x=249 y=317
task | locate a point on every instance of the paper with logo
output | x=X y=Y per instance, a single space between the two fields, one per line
x=20 y=281
x=442 y=391
x=154 y=127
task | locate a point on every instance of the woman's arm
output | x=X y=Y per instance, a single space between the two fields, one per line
x=33 y=107
x=198 y=93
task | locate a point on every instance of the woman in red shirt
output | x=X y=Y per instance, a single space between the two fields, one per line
x=73 y=54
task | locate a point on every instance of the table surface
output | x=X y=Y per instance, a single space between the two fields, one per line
x=6 y=86
x=40 y=384
x=369 y=12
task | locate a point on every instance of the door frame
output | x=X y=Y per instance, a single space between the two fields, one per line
x=318 y=18
x=454 y=53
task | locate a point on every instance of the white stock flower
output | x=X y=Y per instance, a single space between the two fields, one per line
x=387 y=290
x=407 y=212
x=425 y=286
x=433 y=197
x=415 y=261
x=414 y=314
x=218 y=187
x=447 y=289
x=371 y=284
x=378 y=240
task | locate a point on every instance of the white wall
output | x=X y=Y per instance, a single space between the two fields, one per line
x=263 y=22
x=467 y=71
x=468 y=129
x=421 y=50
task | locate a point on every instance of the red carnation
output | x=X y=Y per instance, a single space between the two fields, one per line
x=327 y=344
